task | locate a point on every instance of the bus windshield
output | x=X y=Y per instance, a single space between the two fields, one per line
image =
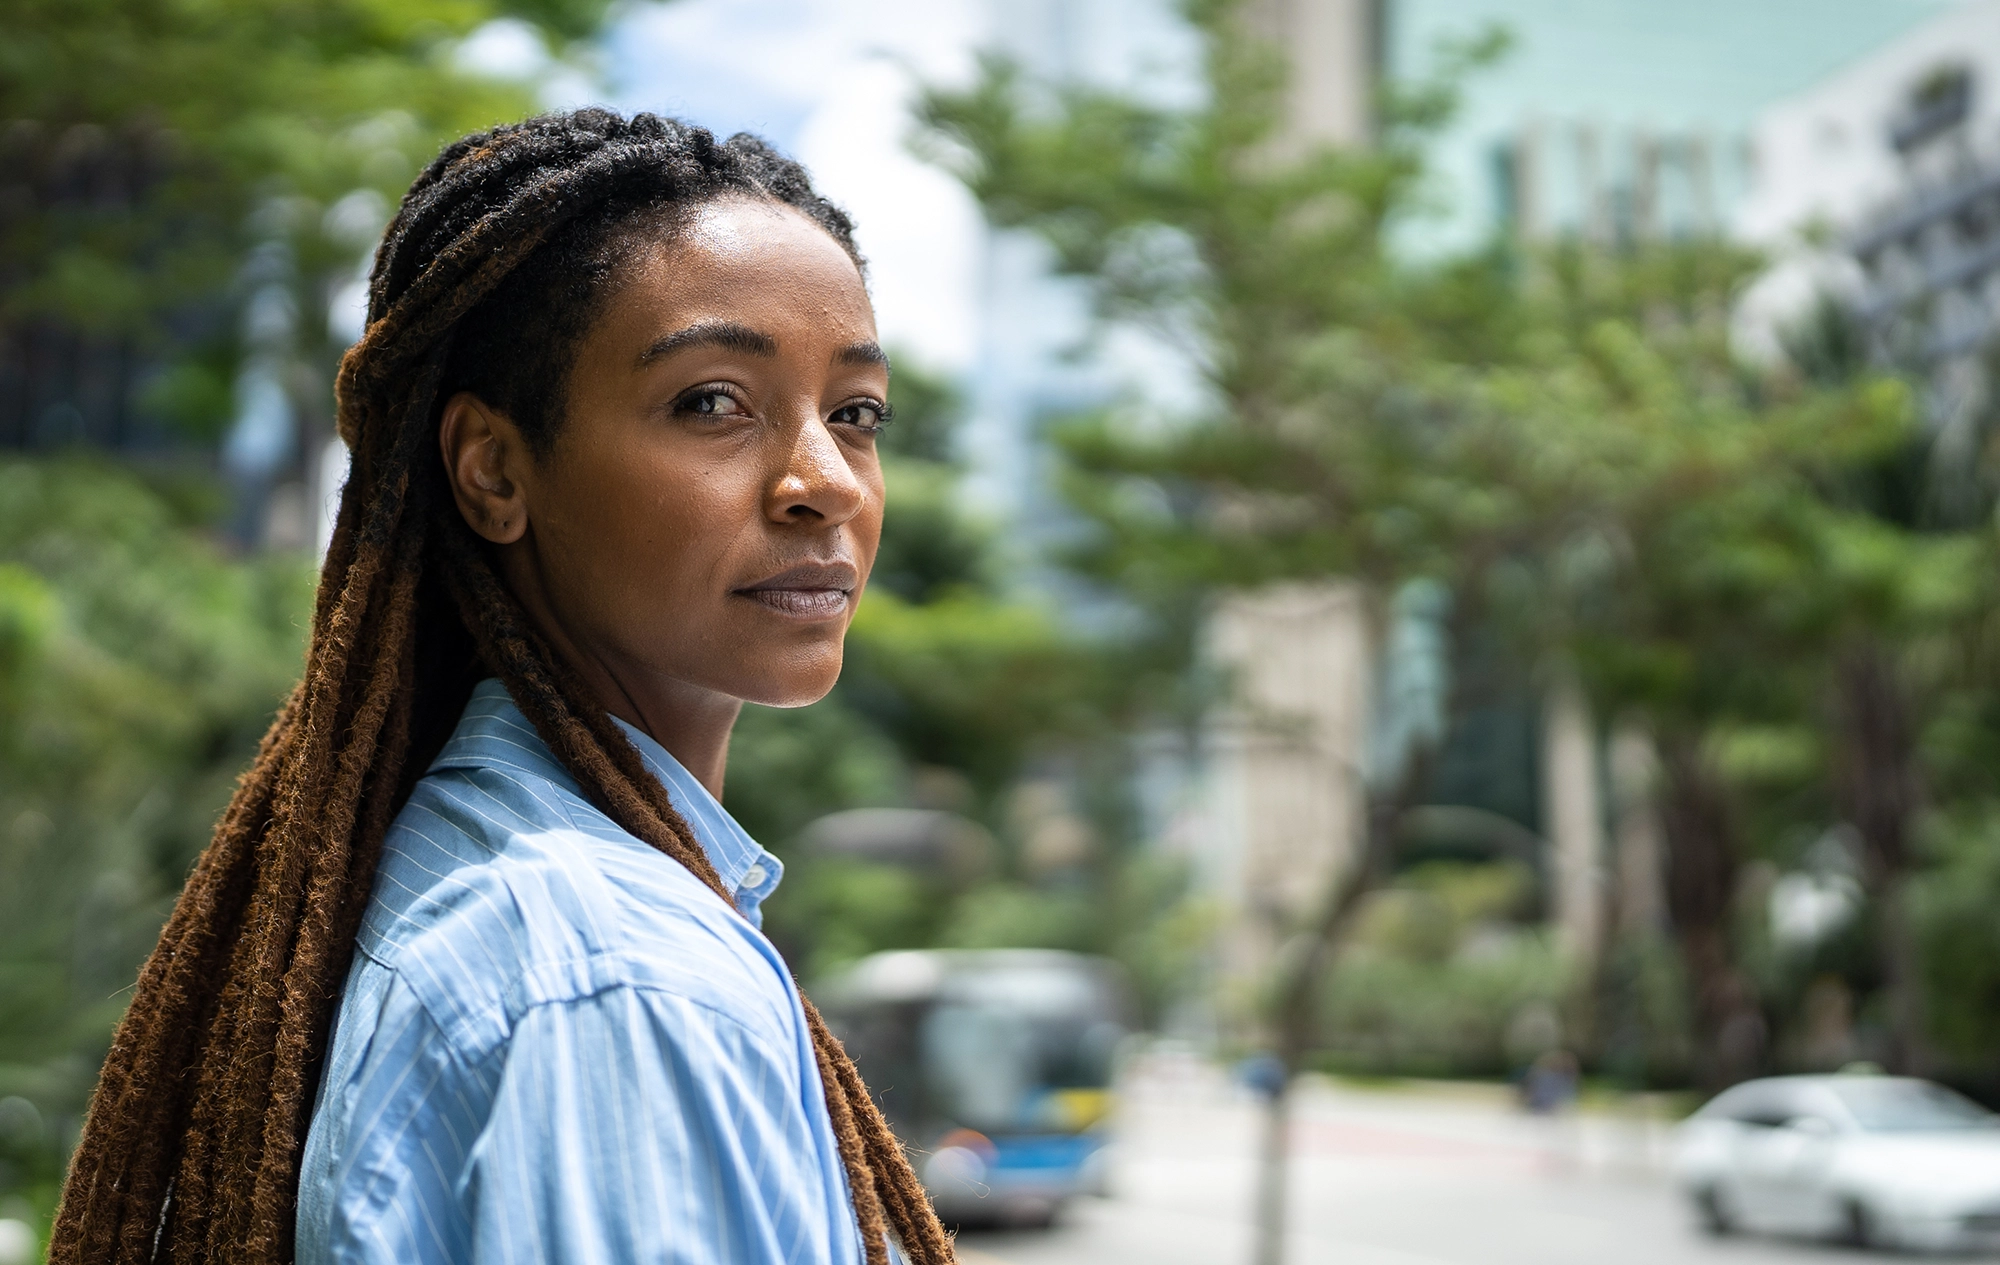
x=999 y=1042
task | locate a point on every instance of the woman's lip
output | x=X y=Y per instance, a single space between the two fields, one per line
x=810 y=575
x=801 y=603
x=809 y=591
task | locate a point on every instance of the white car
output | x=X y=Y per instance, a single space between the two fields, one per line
x=1885 y=1161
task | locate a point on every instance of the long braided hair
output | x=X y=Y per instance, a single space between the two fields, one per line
x=191 y=1149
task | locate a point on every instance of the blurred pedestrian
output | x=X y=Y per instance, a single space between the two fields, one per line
x=613 y=428
x=1262 y=1074
x=1550 y=1085
x=1548 y=1091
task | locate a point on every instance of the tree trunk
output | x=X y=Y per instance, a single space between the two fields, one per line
x=1877 y=788
x=1298 y=993
x=1295 y=1007
x=1273 y=1176
x=1703 y=866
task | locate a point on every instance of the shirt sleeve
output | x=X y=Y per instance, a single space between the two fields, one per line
x=639 y=1126
x=627 y=1126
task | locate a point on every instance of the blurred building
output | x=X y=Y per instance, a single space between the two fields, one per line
x=1039 y=357
x=1336 y=51
x=71 y=377
x=1631 y=99
x=1879 y=189
x=1852 y=145
x=1286 y=754
x=1578 y=177
x=96 y=357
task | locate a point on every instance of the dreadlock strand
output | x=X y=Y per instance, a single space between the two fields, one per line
x=342 y=908
x=897 y=1186
x=115 y=1173
x=188 y=941
x=276 y=1041
x=310 y=993
x=306 y=998
x=237 y=1078
x=862 y=1187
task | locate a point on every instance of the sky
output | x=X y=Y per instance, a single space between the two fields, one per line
x=830 y=82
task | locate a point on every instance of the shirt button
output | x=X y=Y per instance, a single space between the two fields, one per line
x=753 y=876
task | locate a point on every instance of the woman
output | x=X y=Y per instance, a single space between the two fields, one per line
x=613 y=428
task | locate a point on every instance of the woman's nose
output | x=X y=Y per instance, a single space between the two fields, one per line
x=816 y=479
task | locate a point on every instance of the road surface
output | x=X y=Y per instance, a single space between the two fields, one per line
x=1438 y=1176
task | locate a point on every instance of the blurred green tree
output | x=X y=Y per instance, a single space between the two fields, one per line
x=1952 y=914
x=138 y=669
x=1343 y=440
x=166 y=161
x=1714 y=570
x=1346 y=436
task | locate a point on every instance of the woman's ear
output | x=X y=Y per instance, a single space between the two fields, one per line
x=482 y=454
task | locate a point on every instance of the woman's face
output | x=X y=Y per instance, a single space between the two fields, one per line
x=708 y=513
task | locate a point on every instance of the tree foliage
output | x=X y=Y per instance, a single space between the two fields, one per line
x=171 y=158
x=138 y=668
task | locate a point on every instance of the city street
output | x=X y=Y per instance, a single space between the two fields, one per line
x=1434 y=1176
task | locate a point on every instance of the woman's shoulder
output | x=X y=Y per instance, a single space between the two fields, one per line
x=492 y=897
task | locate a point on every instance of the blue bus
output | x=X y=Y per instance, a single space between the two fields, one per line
x=993 y=1066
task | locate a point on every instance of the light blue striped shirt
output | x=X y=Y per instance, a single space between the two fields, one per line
x=556 y=1045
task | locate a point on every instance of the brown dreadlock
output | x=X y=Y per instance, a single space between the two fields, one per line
x=191 y=1151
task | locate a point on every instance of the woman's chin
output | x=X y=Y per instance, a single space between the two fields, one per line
x=794 y=683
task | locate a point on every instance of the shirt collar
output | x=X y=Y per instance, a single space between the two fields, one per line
x=743 y=864
x=493 y=731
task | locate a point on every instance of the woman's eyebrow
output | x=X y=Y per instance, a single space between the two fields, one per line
x=862 y=353
x=725 y=334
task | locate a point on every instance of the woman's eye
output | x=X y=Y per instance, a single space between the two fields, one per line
x=708 y=403
x=864 y=416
